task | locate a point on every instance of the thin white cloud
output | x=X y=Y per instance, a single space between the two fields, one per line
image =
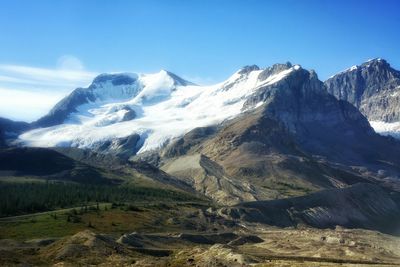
x=46 y=75
x=17 y=83
x=27 y=92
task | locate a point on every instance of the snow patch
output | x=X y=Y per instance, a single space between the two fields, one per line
x=353 y=68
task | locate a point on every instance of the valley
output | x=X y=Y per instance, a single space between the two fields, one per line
x=179 y=235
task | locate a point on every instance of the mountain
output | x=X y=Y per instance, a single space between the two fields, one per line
x=374 y=88
x=300 y=139
x=11 y=129
x=264 y=133
x=111 y=88
x=134 y=113
x=46 y=164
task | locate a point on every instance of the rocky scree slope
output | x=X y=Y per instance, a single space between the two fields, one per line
x=359 y=206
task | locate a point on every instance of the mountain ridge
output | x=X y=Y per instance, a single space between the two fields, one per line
x=264 y=133
x=301 y=139
x=135 y=101
x=372 y=87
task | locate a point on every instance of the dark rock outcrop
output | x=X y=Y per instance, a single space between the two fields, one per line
x=248 y=69
x=122 y=147
x=129 y=115
x=62 y=109
x=360 y=206
x=373 y=87
x=178 y=80
x=274 y=69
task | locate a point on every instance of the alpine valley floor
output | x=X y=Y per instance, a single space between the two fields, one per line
x=182 y=234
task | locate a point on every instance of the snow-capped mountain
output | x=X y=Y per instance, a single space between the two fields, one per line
x=261 y=134
x=144 y=111
x=374 y=88
x=300 y=137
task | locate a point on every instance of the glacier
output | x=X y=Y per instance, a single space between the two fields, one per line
x=165 y=107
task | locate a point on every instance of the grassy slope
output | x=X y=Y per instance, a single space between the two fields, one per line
x=32 y=168
x=155 y=217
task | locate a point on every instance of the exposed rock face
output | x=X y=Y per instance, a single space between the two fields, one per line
x=360 y=206
x=248 y=69
x=301 y=139
x=178 y=80
x=122 y=147
x=66 y=106
x=274 y=69
x=183 y=145
x=373 y=87
x=129 y=115
x=210 y=179
x=300 y=100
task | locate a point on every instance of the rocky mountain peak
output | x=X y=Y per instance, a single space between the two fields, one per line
x=295 y=82
x=274 y=69
x=178 y=81
x=376 y=62
x=373 y=87
x=296 y=123
x=247 y=69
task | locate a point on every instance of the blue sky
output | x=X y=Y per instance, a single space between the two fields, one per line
x=47 y=48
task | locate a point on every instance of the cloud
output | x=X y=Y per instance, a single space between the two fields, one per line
x=28 y=92
x=47 y=76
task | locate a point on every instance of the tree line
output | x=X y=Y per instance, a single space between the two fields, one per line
x=24 y=198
